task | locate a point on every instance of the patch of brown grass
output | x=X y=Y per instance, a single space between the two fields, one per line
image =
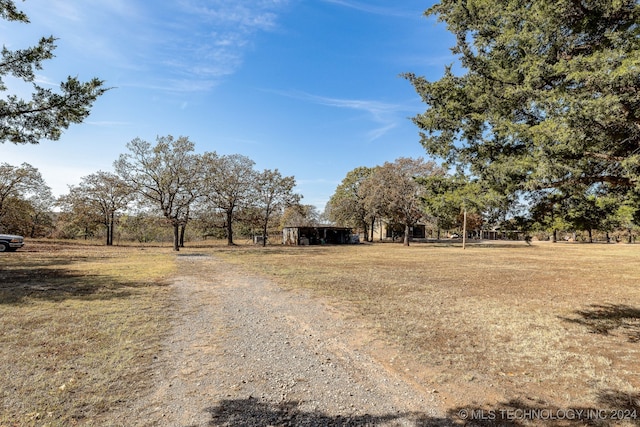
x=548 y=323
x=80 y=327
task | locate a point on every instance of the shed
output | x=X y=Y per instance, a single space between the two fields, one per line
x=316 y=235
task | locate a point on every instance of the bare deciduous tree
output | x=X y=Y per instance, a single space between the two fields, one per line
x=103 y=194
x=229 y=183
x=273 y=192
x=19 y=182
x=168 y=175
x=393 y=191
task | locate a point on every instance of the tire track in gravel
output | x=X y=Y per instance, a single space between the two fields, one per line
x=243 y=352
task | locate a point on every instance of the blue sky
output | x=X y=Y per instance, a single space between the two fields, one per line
x=310 y=87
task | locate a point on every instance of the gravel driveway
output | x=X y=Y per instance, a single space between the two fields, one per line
x=245 y=353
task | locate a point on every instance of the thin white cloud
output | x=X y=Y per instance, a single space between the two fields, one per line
x=207 y=40
x=376 y=108
x=385 y=114
x=316 y=181
x=381 y=131
x=106 y=123
x=80 y=11
x=44 y=81
x=174 y=86
x=372 y=9
x=245 y=15
x=195 y=43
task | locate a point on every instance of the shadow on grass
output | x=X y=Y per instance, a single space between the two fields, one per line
x=605 y=318
x=50 y=280
x=616 y=408
x=252 y=412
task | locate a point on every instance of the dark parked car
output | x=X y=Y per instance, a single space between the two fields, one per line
x=10 y=243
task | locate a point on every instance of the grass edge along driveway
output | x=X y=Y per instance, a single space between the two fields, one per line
x=80 y=327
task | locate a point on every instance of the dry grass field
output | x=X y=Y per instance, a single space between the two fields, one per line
x=492 y=327
x=79 y=328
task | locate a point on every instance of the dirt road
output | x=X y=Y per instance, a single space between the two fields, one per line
x=242 y=352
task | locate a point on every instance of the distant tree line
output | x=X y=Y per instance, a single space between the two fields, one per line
x=151 y=185
x=154 y=187
x=410 y=192
x=538 y=130
x=542 y=114
x=389 y=192
x=538 y=126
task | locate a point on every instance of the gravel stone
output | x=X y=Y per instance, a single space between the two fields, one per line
x=243 y=352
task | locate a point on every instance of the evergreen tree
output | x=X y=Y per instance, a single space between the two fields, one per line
x=48 y=113
x=548 y=98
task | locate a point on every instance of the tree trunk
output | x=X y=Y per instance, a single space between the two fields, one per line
x=264 y=233
x=183 y=227
x=590 y=236
x=110 y=229
x=373 y=226
x=406 y=235
x=176 y=237
x=229 y=228
x=555 y=236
